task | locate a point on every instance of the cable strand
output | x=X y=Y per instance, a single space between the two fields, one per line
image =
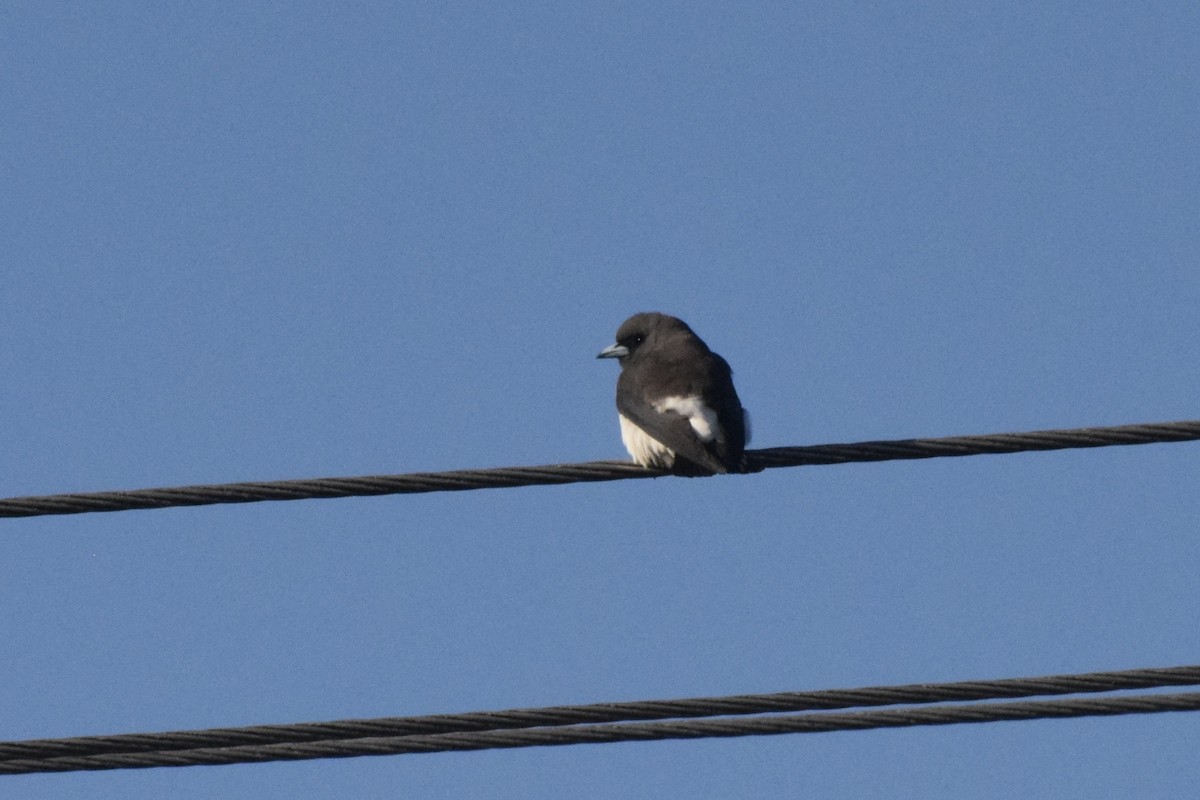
x=111 y=749
x=622 y=732
x=508 y=477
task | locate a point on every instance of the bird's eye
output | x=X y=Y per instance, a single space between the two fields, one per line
x=631 y=341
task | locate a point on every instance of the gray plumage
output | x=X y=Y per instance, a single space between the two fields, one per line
x=675 y=397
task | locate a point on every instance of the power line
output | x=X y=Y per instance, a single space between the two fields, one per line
x=623 y=732
x=775 y=702
x=560 y=725
x=503 y=477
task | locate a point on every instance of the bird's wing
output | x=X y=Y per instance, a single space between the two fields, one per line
x=671 y=428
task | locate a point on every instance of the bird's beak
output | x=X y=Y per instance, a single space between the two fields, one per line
x=614 y=351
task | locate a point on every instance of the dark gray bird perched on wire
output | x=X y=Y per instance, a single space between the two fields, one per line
x=675 y=399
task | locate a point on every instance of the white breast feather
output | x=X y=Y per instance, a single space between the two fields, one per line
x=649 y=452
x=646 y=450
x=702 y=418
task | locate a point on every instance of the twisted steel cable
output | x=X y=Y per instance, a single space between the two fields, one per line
x=420 y=734
x=621 y=732
x=461 y=480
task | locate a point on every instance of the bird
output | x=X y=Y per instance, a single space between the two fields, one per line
x=675 y=399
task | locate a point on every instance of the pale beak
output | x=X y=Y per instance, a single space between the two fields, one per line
x=614 y=351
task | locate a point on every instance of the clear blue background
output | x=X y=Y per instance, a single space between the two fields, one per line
x=249 y=241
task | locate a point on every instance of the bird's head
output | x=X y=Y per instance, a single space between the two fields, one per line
x=640 y=329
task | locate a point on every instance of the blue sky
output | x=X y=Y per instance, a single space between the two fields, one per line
x=249 y=241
